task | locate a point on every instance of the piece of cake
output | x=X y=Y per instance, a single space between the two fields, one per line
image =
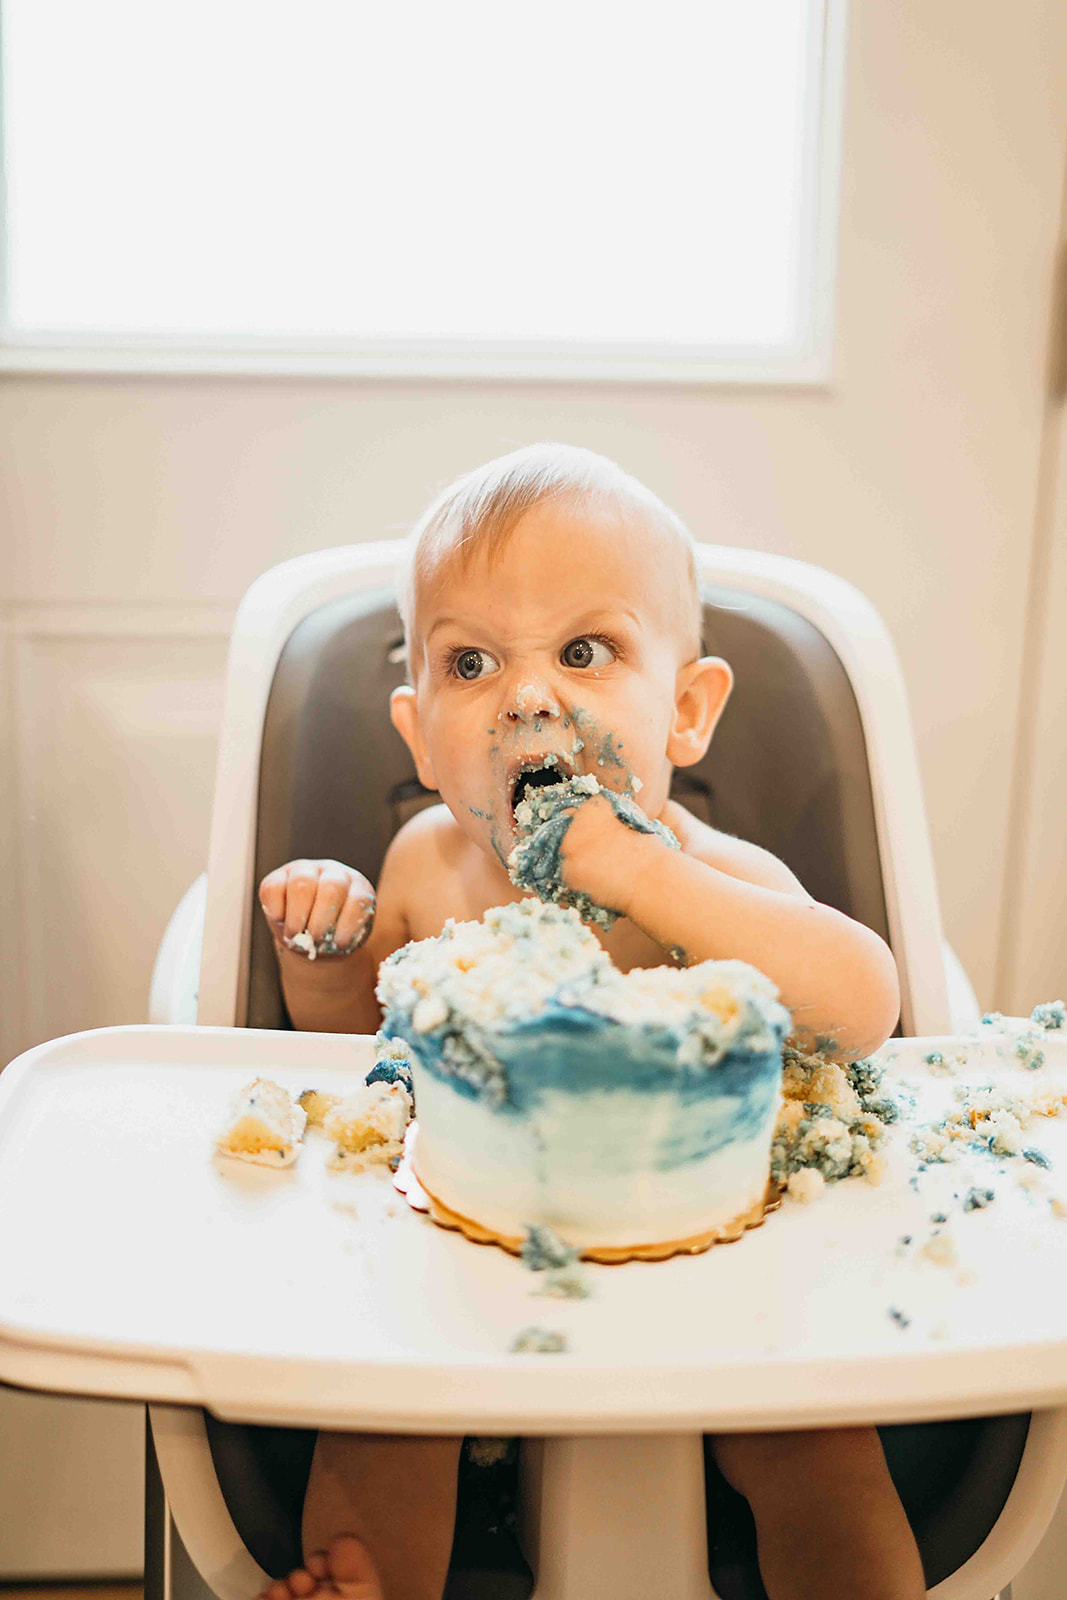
x=831 y=1122
x=368 y=1125
x=620 y=1109
x=264 y=1125
x=543 y=817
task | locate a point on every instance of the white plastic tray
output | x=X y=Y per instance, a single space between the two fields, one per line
x=135 y=1263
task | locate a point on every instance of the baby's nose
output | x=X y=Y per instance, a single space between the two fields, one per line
x=528 y=701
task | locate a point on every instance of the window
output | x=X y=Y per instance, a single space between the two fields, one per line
x=597 y=188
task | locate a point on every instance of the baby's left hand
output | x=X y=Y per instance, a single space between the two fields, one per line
x=584 y=846
x=600 y=853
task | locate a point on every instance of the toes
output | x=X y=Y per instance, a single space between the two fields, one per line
x=301 y=1583
x=317 y=1565
x=352 y=1569
x=279 y=1590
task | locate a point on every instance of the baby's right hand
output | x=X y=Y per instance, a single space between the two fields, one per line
x=319 y=908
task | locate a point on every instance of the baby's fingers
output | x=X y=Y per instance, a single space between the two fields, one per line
x=302 y=887
x=330 y=895
x=272 y=892
x=357 y=914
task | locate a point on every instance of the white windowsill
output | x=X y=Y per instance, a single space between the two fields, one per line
x=303 y=358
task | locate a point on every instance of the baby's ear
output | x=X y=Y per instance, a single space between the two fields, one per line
x=702 y=689
x=403 y=709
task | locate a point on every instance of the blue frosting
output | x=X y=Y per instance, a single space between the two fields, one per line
x=573 y=1050
x=396 y=1071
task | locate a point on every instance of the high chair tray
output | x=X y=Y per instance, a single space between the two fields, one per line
x=136 y=1263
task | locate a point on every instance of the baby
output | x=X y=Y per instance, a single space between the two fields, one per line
x=552 y=620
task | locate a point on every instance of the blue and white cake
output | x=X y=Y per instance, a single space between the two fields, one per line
x=620 y=1109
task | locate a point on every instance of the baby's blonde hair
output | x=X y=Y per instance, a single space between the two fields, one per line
x=478 y=512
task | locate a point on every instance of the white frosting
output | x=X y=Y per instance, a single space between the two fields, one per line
x=504 y=969
x=492 y=972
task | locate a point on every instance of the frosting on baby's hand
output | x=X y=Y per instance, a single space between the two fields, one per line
x=543 y=817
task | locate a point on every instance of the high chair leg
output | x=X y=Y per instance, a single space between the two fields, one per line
x=618 y=1516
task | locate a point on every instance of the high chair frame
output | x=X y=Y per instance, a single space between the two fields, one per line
x=656 y=1541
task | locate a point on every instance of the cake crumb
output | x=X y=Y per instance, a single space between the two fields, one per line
x=544 y=1251
x=806 y=1184
x=542 y=1341
x=565 y=1283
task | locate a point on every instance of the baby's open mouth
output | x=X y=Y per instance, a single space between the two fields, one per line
x=538 y=777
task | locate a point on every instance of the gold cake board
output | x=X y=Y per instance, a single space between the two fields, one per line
x=419 y=1198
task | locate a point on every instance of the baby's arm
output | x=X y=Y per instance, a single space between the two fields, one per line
x=720 y=898
x=335 y=905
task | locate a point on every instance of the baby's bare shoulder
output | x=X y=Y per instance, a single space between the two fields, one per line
x=737 y=857
x=409 y=871
x=430 y=837
x=430 y=872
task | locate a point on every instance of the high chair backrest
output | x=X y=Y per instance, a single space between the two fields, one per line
x=814 y=756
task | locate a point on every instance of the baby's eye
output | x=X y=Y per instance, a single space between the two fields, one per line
x=587 y=653
x=472 y=664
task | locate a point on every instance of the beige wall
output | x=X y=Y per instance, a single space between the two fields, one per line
x=136 y=511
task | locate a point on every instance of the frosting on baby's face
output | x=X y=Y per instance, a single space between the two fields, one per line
x=561 y=654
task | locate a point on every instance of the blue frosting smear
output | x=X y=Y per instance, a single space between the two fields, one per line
x=544 y=815
x=570 y=1050
x=525 y=1012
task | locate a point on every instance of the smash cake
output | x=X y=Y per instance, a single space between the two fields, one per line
x=626 y=1111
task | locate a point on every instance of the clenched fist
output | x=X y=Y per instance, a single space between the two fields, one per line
x=320 y=908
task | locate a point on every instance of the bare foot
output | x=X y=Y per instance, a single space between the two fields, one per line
x=343 y=1572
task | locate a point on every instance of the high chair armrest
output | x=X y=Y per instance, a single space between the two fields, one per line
x=176 y=974
x=964 y=1011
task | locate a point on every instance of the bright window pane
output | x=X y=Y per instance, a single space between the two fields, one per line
x=414 y=170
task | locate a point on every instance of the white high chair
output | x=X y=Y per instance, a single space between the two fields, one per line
x=620 y=1516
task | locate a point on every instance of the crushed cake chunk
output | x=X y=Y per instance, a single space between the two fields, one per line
x=542 y=1341
x=264 y=1126
x=831 y=1122
x=368 y=1125
x=543 y=1251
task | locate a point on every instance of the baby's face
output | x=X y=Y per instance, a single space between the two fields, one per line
x=561 y=657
